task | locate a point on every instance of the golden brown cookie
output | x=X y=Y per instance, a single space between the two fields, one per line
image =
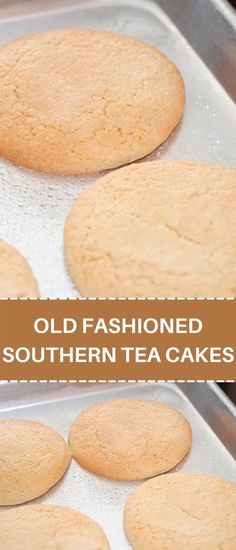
x=79 y=101
x=16 y=277
x=33 y=457
x=130 y=439
x=49 y=527
x=182 y=511
x=156 y=229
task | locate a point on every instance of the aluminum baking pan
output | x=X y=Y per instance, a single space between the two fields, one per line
x=102 y=499
x=33 y=206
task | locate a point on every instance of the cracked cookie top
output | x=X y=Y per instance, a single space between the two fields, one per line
x=80 y=101
x=155 y=229
x=182 y=511
x=33 y=457
x=130 y=439
x=50 y=527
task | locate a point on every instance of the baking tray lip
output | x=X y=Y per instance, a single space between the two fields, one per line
x=10 y=385
x=98 y=389
x=143 y=4
x=228 y=404
x=221 y=6
x=226 y=10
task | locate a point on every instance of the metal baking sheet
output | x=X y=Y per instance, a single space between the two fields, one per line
x=33 y=207
x=101 y=499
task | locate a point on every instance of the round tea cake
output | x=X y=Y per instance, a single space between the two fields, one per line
x=182 y=511
x=49 y=527
x=16 y=277
x=33 y=457
x=78 y=101
x=130 y=439
x=155 y=229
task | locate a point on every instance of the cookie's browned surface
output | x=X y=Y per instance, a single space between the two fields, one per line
x=49 y=527
x=182 y=511
x=16 y=277
x=33 y=457
x=130 y=439
x=156 y=229
x=79 y=101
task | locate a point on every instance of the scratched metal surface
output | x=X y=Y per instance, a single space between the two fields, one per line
x=33 y=206
x=101 y=499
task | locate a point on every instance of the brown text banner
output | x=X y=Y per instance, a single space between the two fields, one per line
x=118 y=340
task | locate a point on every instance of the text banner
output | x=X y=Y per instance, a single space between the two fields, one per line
x=118 y=340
